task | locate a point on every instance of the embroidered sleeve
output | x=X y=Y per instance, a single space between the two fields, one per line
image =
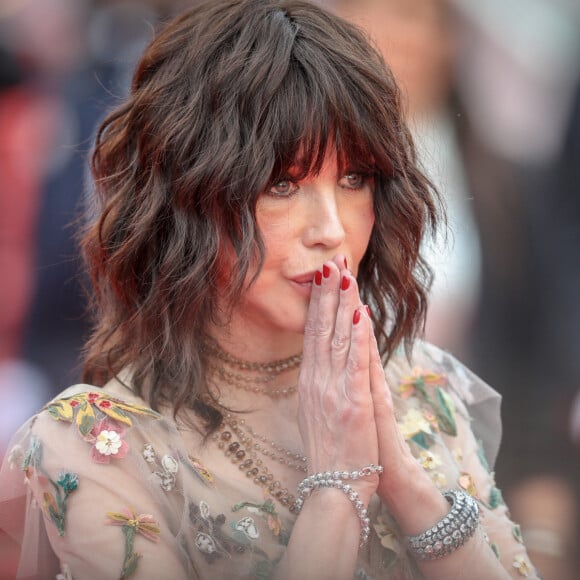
x=82 y=464
x=473 y=472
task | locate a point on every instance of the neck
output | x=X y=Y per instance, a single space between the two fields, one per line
x=253 y=342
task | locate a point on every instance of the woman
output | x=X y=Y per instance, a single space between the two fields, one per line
x=259 y=222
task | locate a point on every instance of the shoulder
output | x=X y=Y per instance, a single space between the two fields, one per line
x=438 y=380
x=428 y=360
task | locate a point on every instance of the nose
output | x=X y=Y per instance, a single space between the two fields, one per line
x=324 y=223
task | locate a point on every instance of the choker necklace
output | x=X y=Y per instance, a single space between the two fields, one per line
x=249 y=376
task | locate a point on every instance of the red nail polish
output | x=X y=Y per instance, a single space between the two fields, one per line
x=368 y=310
x=345 y=263
x=318 y=278
x=345 y=283
x=325 y=271
x=356 y=316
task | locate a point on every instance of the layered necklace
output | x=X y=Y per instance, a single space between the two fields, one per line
x=240 y=442
x=252 y=377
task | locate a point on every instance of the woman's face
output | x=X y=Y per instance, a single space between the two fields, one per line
x=305 y=223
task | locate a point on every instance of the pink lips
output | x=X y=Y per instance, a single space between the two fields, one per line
x=303 y=283
x=304 y=278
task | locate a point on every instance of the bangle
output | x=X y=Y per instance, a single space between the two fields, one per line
x=451 y=532
x=337 y=480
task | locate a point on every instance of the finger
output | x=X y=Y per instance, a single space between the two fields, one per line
x=324 y=322
x=312 y=313
x=390 y=436
x=341 y=262
x=349 y=301
x=357 y=383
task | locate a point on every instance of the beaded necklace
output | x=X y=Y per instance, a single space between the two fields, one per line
x=256 y=377
x=237 y=446
x=240 y=442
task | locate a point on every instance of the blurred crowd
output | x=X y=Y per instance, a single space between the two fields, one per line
x=492 y=94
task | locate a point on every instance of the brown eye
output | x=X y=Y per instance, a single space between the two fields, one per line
x=283 y=188
x=353 y=181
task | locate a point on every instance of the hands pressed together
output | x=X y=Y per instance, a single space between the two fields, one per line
x=346 y=414
x=346 y=417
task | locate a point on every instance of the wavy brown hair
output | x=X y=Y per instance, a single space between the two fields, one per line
x=223 y=102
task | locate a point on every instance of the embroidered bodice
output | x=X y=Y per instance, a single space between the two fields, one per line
x=98 y=485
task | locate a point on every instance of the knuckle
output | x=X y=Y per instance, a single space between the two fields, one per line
x=340 y=343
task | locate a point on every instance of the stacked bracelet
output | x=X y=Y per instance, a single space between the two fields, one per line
x=451 y=532
x=337 y=480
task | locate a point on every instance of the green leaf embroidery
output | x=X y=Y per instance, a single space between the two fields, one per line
x=495 y=498
x=85 y=418
x=445 y=412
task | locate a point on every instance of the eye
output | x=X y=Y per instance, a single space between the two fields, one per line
x=353 y=180
x=283 y=188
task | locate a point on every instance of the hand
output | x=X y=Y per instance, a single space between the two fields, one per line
x=335 y=415
x=402 y=473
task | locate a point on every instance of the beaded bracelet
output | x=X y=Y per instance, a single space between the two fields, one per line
x=337 y=480
x=451 y=532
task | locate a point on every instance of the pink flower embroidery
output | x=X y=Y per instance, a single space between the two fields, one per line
x=107 y=440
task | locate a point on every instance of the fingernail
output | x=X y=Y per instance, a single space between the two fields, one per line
x=318 y=278
x=325 y=271
x=356 y=316
x=368 y=310
x=345 y=263
x=345 y=283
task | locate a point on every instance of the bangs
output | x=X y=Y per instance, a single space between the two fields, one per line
x=325 y=104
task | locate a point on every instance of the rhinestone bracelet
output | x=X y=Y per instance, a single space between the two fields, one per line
x=451 y=532
x=337 y=480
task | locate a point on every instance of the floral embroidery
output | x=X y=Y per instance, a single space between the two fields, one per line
x=429 y=460
x=442 y=405
x=15 y=457
x=481 y=456
x=32 y=457
x=414 y=426
x=267 y=510
x=495 y=498
x=210 y=538
x=133 y=524
x=439 y=479
x=495 y=549
x=467 y=483
x=248 y=527
x=419 y=378
x=200 y=471
x=55 y=505
x=107 y=440
x=84 y=404
x=149 y=453
x=387 y=535
x=166 y=475
x=517 y=533
x=522 y=565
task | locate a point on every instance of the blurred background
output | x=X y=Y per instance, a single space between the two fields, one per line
x=492 y=94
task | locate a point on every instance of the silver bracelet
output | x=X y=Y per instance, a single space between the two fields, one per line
x=451 y=532
x=337 y=480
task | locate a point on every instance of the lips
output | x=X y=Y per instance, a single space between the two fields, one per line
x=304 y=278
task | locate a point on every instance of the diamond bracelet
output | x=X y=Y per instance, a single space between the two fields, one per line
x=336 y=479
x=451 y=532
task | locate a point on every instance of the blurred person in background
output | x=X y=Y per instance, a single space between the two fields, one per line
x=63 y=64
x=491 y=282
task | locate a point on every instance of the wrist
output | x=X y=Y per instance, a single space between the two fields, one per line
x=403 y=496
